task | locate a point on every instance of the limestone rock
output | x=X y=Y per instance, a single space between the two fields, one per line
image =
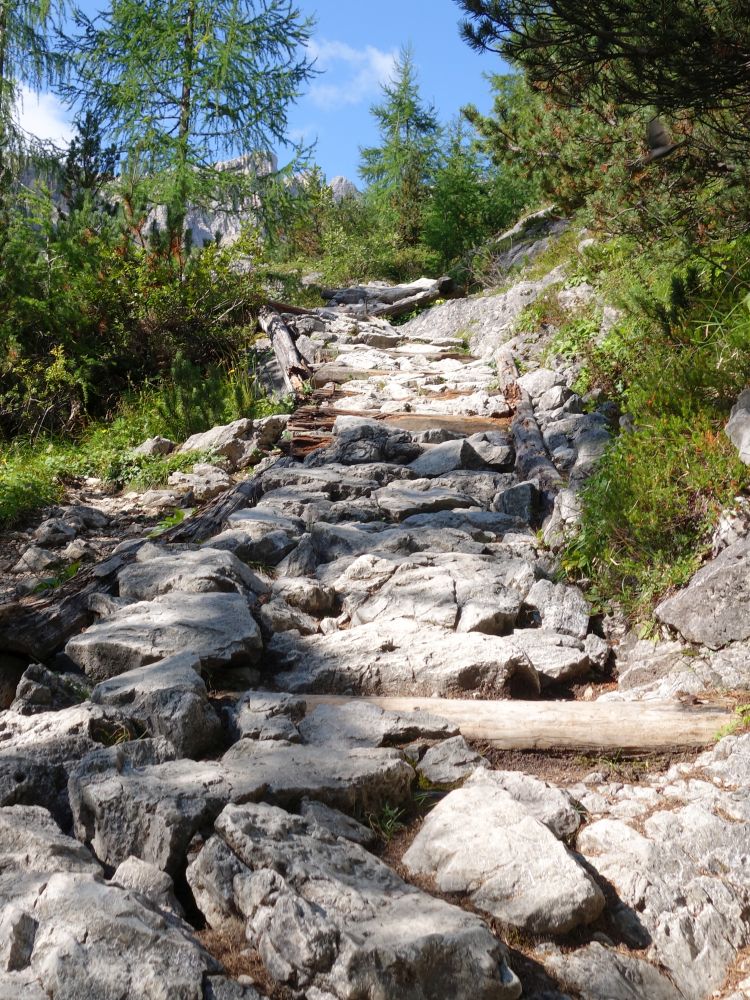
x=229 y=440
x=155 y=446
x=399 y=502
x=338 y=823
x=714 y=608
x=217 y=628
x=160 y=569
x=152 y=812
x=400 y=655
x=43 y=690
x=562 y=608
x=449 y=762
x=146 y=879
x=205 y=482
x=480 y=841
x=364 y=725
x=339 y=921
x=170 y=698
x=595 y=972
x=738 y=428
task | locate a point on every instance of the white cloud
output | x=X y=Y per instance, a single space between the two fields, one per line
x=44 y=116
x=358 y=73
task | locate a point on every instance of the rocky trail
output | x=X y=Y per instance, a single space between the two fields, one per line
x=269 y=761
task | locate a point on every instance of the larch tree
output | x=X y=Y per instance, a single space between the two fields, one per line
x=400 y=169
x=25 y=58
x=181 y=83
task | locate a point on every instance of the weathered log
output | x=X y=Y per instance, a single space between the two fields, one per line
x=212 y=517
x=532 y=459
x=441 y=288
x=295 y=369
x=628 y=727
x=507 y=373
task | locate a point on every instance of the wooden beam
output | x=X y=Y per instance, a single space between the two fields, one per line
x=628 y=727
x=532 y=458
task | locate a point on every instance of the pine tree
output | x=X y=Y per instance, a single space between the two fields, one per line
x=400 y=170
x=181 y=82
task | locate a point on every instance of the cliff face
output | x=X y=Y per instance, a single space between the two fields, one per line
x=206 y=223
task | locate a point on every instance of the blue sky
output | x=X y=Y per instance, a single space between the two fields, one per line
x=355 y=44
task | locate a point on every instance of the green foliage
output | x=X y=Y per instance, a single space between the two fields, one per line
x=739 y=724
x=387 y=823
x=400 y=170
x=221 y=76
x=676 y=362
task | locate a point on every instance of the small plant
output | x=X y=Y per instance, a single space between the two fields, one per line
x=738 y=724
x=387 y=823
x=176 y=517
x=52 y=582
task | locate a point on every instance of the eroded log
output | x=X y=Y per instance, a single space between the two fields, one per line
x=294 y=368
x=628 y=727
x=532 y=459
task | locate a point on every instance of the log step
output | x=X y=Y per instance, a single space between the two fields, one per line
x=628 y=727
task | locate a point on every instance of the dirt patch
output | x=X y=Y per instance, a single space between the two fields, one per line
x=229 y=946
x=566 y=768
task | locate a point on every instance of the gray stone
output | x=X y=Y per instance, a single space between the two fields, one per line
x=12 y=669
x=260 y=715
x=338 y=823
x=161 y=569
x=17 y=933
x=229 y=440
x=480 y=841
x=278 y=616
x=268 y=430
x=738 y=428
x=149 y=881
x=170 y=698
x=521 y=501
x=494 y=449
x=55 y=531
x=364 y=725
x=339 y=921
x=309 y=596
x=447 y=457
x=401 y=655
x=556 y=808
x=556 y=658
x=155 y=446
x=449 y=763
x=399 y=502
x=152 y=812
x=217 y=628
x=358 y=440
x=223 y=988
x=596 y=972
x=540 y=381
x=204 y=483
x=562 y=608
x=714 y=609
x=36 y=560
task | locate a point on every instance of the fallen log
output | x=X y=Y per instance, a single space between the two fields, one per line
x=441 y=288
x=628 y=727
x=532 y=459
x=295 y=370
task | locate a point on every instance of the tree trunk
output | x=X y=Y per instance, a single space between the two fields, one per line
x=629 y=727
x=532 y=459
x=295 y=369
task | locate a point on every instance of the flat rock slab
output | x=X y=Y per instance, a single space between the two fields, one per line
x=363 y=725
x=339 y=923
x=161 y=569
x=595 y=972
x=397 y=656
x=217 y=628
x=399 y=502
x=481 y=841
x=153 y=812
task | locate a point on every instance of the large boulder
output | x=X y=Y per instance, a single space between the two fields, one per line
x=481 y=841
x=714 y=608
x=170 y=698
x=400 y=655
x=338 y=923
x=232 y=441
x=218 y=628
x=160 y=569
